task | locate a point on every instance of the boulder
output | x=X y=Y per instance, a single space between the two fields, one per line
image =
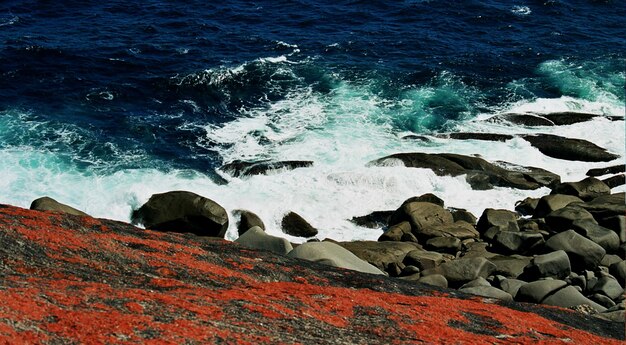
x=550 y=203
x=420 y=215
x=610 y=259
x=248 y=220
x=617 y=316
x=423 y=259
x=615 y=181
x=527 y=206
x=606 y=238
x=608 y=287
x=434 y=279
x=568 y=297
x=182 y=211
x=489 y=292
x=510 y=266
x=510 y=242
x=569 y=149
x=461 y=230
x=617 y=224
x=582 y=252
x=602 y=300
x=463 y=270
x=614 y=169
x=396 y=232
x=586 y=189
x=504 y=220
x=555 y=265
x=480 y=281
x=331 y=254
x=564 y=218
x=459 y=214
x=380 y=254
x=449 y=245
x=256 y=238
x=512 y=286
x=293 y=224
x=537 y=291
x=240 y=168
x=618 y=270
x=605 y=206
x=374 y=220
x=477 y=136
x=428 y=197
x=48 y=204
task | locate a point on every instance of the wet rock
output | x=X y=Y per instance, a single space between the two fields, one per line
x=181 y=211
x=569 y=149
x=504 y=220
x=537 y=291
x=614 y=169
x=550 y=203
x=489 y=292
x=48 y=204
x=555 y=264
x=568 y=297
x=380 y=254
x=586 y=189
x=606 y=238
x=256 y=238
x=564 y=218
x=423 y=259
x=521 y=119
x=395 y=232
x=463 y=270
x=331 y=254
x=421 y=215
x=293 y=224
x=582 y=252
x=240 y=168
x=374 y=220
x=247 y=220
x=615 y=181
x=568 y=118
x=478 y=136
x=434 y=279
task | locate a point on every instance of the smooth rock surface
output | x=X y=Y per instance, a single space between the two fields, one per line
x=48 y=204
x=256 y=238
x=582 y=252
x=331 y=254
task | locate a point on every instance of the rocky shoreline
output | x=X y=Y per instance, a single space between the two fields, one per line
x=565 y=249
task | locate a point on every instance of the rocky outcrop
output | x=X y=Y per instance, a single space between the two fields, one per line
x=182 y=211
x=242 y=168
x=550 y=119
x=569 y=149
x=48 y=204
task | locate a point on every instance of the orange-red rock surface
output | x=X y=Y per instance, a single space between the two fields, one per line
x=69 y=279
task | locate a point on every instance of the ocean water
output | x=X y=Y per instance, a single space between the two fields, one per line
x=104 y=103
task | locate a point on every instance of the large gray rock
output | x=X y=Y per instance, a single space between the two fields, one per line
x=460 y=229
x=563 y=218
x=606 y=238
x=555 y=264
x=396 y=232
x=549 y=203
x=608 y=287
x=293 y=224
x=421 y=215
x=618 y=270
x=480 y=281
x=331 y=254
x=380 y=254
x=512 y=286
x=569 y=149
x=537 y=291
x=461 y=271
x=586 y=189
x=423 y=259
x=617 y=224
x=527 y=206
x=504 y=220
x=48 y=204
x=256 y=238
x=510 y=266
x=374 y=220
x=459 y=214
x=582 y=252
x=444 y=244
x=489 y=292
x=434 y=279
x=605 y=206
x=509 y=242
x=181 y=211
x=247 y=220
x=568 y=297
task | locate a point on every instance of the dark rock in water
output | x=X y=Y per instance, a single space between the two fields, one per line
x=380 y=254
x=582 y=252
x=587 y=189
x=374 y=220
x=522 y=119
x=569 y=149
x=615 y=169
x=421 y=215
x=48 y=204
x=478 y=136
x=480 y=173
x=537 y=291
x=241 y=168
x=68 y=279
x=606 y=238
x=568 y=118
x=293 y=224
x=527 y=206
x=504 y=220
x=248 y=220
x=256 y=238
x=555 y=265
x=181 y=211
x=550 y=203
x=416 y=137
x=615 y=181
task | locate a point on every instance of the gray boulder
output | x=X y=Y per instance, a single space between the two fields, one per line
x=618 y=270
x=509 y=242
x=331 y=254
x=461 y=230
x=396 y=232
x=569 y=149
x=582 y=252
x=608 y=287
x=586 y=189
x=617 y=224
x=489 y=292
x=537 y=291
x=256 y=238
x=444 y=244
x=509 y=266
x=527 y=206
x=459 y=214
x=434 y=279
x=563 y=218
x=380 y=254
x=293 y=224
x=423 y=259
x=606 y=238
x=461 y=271
x=247 y=220
x=421 y=215
x=48 y=204
x=569 y=297
x=504 y=220
x=550 y=203
x=555 y=264
x=512 y=286
x=181 y=211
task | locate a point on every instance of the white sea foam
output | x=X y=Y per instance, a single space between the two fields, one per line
x=521 y=10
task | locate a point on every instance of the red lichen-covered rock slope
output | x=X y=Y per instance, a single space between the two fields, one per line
x=72 y=279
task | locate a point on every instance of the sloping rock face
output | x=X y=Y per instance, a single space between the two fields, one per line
x=72 y=279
